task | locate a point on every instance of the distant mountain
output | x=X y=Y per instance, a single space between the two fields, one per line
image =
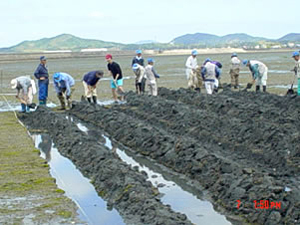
x=61 y=42
x=234 y=40
x=209 y=39
x=292 y=37
x=68 y=42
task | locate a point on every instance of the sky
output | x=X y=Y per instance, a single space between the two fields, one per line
x=130 y=21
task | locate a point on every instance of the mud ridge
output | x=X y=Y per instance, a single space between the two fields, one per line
x=175 y=144
x=123 y=187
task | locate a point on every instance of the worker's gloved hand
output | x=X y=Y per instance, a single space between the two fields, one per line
x=295 y=69
x=59 y=93
x=157 y=76
x=68 y=97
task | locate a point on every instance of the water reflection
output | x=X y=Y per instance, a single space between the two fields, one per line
x=92 y=209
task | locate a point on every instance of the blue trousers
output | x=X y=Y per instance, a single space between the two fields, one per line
x=43 y=89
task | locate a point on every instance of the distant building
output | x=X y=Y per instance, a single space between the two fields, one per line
x=94 y=50
x=58 y=51
x=291 y=45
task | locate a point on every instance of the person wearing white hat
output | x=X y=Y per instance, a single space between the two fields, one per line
x=138 y=59
x=139 y=72
x=26 y=89
x=191 y=66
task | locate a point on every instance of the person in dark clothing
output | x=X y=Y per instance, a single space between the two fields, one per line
x=138 y=59
x=42 y=75
x=117 y=78
x=90 y=81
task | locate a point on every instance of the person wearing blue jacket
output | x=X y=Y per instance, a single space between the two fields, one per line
x=90 y=81
x=64 y=85
x=42 y=75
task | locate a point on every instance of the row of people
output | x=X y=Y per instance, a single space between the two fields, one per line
x=64 y=84
x=210 y=72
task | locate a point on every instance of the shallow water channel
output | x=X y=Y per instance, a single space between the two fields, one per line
x=173 y=189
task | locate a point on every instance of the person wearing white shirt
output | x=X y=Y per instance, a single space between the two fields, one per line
x=235 y=70
x=191 y=64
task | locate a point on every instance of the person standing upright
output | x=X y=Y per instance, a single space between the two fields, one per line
x=191 y=66
x=116 y=82
x=138 y=59
x=297 y=69
x=151 y=77
x=42 y=75
x=235 y=71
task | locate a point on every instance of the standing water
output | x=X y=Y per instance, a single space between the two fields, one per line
x=198 y=211
x=92 y=209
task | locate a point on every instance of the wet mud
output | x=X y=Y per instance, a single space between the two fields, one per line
x=124 y=188
x=241 y=147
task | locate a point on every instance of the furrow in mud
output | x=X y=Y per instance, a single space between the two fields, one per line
x=123 y=187
x=226 y=179
x=246 y=140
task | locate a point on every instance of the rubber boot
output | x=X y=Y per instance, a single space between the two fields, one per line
x=95 y=99
x=62 y=102
x=89 y=100
x=41 y=102
x=264 y=88
x=257 y=88
x=23 y=108
x=27 y=109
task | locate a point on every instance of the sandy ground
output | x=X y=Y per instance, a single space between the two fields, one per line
x=28 y=194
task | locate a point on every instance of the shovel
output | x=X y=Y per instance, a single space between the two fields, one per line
x=291 y=90
x=249 y=85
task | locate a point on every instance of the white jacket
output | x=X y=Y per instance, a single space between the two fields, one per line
x=140 y=73
x=191 y=63
x=149 y=74
x=262 y=68
x=235 y=63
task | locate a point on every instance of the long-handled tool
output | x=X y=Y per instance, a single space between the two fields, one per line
x=291 y=90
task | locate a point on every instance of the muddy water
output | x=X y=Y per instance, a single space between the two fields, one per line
x=198 y=211
x=92 y=209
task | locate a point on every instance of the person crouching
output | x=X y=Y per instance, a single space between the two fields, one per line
x=64 y=86
x=26 y=89
x=210 y=73
x=90 y=81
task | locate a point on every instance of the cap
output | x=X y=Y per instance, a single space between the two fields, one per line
x=138 y=51
x=194 y=52
x=295 y=54
x=43 y=58
x=233 y=55
x=135 y=66
x=150 y=60
x=207 y=60
x=57 y=77
x=13 y=83
x=245 y=61
x=108 y=56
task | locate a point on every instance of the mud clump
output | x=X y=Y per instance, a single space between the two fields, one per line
x=124 y=188
x=239 y=146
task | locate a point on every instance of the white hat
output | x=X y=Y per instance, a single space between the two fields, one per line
x=13 y=83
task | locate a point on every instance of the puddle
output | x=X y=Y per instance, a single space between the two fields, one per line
x=14 y=106
x=198 y=211
x=92 y=209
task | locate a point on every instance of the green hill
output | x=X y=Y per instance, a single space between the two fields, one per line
x=61 y=42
